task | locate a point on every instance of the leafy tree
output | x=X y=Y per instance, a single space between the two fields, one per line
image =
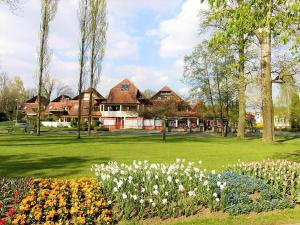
x=266 y=20
x=212 y=81
x=12 y=94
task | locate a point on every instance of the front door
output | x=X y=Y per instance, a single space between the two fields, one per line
x=119 y=123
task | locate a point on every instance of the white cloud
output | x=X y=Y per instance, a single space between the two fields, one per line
x=19 y=42
x=180 y=34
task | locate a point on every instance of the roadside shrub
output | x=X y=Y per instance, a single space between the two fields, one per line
x=12 y=191
x=281 y=174
x=244 y=194
x=143 y=190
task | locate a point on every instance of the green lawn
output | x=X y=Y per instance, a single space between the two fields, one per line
x=61 y=155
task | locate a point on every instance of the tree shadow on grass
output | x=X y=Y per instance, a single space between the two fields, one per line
x=292 y=156
x=43 y=165
x=115 y=139
x=287 y=138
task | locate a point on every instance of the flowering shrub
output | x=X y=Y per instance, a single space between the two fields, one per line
x=11 y=192
x=281 y=174
x=244 y=194
x=63 y=202
x=147 y=190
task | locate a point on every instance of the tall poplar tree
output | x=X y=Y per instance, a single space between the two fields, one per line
x=48 y=11
x=97 y=38
x=83 y=15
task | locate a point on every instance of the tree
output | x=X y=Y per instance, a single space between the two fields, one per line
x=12 y=94
x=97 y=39
x=266 y=20
x=48 y=86
x=13 y=4
x=63 y=89
x=48 y=11
x=84 y=42
x=212 y=80
x=148 y=93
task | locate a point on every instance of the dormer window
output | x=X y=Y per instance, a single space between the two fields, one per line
x=124 y=87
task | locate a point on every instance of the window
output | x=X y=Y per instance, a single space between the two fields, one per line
x=124 y=87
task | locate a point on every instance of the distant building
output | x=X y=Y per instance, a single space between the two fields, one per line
x=30 y=107
x=123 y=108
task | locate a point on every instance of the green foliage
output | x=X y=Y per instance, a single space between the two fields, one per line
x=295 y=110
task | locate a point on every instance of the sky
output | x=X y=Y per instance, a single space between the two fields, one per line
x=146 y=42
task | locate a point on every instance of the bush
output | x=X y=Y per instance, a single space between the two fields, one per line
x=74 y=124
x=101 y=129
x=281 y=174
x=84 y=126
x=3 y=117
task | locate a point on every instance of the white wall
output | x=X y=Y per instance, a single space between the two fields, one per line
x=56 y=124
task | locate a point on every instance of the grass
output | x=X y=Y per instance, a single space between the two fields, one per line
x=62 y=155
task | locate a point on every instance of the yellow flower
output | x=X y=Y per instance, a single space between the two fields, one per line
x=81 y=220
x=74 y=210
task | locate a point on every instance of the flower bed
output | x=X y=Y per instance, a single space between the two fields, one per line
x=244 y=194
x=142 y=190
x=11 y=192
x=63 y=202
x=282 y=174
x=146 y=190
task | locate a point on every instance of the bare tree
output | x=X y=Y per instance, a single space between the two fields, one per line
x=48 y=86
x=63 y=89
x=48 y=11
x=13 y=4
x=97 y=37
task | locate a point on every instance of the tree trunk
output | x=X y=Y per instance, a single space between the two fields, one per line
x=164 y=129
x=242 y=90
x=267 y=101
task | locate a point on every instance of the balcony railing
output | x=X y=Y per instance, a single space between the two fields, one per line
x=119 y=114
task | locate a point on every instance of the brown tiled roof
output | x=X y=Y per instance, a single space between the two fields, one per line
x=166 y=89
x=125 y=92
x=61 y=98
x=73 y=111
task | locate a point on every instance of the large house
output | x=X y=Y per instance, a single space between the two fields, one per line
x=124 y=108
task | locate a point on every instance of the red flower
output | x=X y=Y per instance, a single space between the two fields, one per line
x=1 y=204
x=2 y=221
x=18 y=192
x=11 y=212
